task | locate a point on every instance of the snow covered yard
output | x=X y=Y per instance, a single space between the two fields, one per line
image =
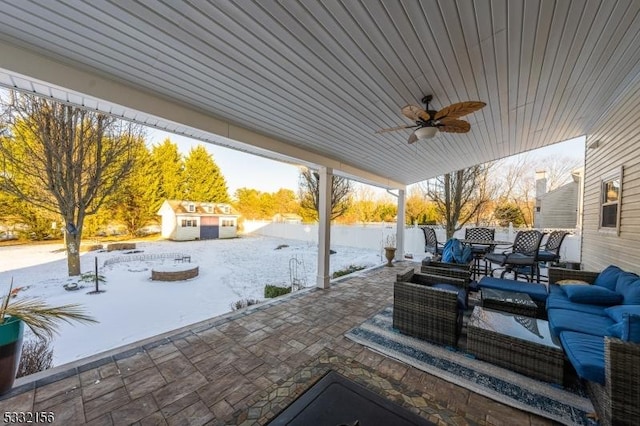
x=134 y=307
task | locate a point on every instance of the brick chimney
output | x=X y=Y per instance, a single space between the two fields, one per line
x=541 y=189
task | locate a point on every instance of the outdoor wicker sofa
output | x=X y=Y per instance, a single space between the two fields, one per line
x=429 y=307
x=608 y=365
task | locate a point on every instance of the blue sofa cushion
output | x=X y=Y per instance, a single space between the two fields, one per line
x=564 y=320
x=592 y=295
x=586 y=354
x=537 y=292
x=608 y=277
x=462 y=295
x=559 y=300
x=631 y=328
x=628 y=285
x=616 y=313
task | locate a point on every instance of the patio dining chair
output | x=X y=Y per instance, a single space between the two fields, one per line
x=479 y=251
x=431 y=244
x=551 y=250
x=523 y=258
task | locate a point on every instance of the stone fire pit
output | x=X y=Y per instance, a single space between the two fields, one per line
x=177 y=272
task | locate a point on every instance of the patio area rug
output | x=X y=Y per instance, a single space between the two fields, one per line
x=502 y=385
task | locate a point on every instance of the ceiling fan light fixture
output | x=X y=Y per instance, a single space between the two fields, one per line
x=426 y=132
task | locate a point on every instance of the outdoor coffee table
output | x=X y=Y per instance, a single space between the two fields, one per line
x=508 y=301
x=519 y=343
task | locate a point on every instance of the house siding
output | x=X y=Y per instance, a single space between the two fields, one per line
x=619 y=136
x=559 y=208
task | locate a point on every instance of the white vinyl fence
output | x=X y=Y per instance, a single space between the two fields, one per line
x=374 y=236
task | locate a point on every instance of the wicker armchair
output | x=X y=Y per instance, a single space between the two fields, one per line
x=446 y=269
x=425 y=312
x=450 y=270
x=618 y=401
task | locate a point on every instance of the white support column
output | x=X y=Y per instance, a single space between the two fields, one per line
x=324 y=226
x=400 y=226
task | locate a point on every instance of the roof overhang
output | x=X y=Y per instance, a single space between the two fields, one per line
x=310 y=82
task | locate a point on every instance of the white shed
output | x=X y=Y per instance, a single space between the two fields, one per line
x=194 y=220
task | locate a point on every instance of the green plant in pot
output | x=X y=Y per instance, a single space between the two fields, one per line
x=41 y=318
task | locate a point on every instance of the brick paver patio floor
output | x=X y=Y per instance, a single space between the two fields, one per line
x=245 y=367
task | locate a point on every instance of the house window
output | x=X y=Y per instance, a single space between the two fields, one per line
x=611 y=190
x=188 y=223
x=191 y=208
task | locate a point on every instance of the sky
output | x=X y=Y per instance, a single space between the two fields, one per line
x=239 y=168
x=251 y=171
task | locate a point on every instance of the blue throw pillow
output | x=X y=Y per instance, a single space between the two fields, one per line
x=628 y=285
x=592 y=295
x=617 y=312
x=608 y=277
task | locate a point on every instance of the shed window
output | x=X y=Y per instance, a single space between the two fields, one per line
x=192 y=208
x=188 y=223
x=611 y=190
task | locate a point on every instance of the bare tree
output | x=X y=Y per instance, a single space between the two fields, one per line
x=517 y=180
x=558 y=170
x=460 y=195
x=64 y=159
x=310 y=193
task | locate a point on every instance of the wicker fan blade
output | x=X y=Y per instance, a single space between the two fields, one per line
x=459 y=109
x=413 y=138
x=393 y=129
x=415 y=113
x=452 y=125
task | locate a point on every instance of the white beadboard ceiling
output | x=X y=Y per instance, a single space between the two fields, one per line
x=321 y=76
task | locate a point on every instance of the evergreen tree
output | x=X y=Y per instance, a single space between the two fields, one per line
x=167 y=173
x=203 y=179
x=134 y=204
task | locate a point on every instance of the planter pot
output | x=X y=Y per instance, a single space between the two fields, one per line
x=11 y=332
x=390 y=254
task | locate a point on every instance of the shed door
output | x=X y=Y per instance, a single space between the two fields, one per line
x=209 y=227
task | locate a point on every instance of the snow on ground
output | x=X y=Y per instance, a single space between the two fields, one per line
x=134 y=307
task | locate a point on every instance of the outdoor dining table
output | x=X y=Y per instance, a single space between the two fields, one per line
x=477 y=255
x=485 y=242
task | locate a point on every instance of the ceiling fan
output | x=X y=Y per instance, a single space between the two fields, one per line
x=429 y=122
